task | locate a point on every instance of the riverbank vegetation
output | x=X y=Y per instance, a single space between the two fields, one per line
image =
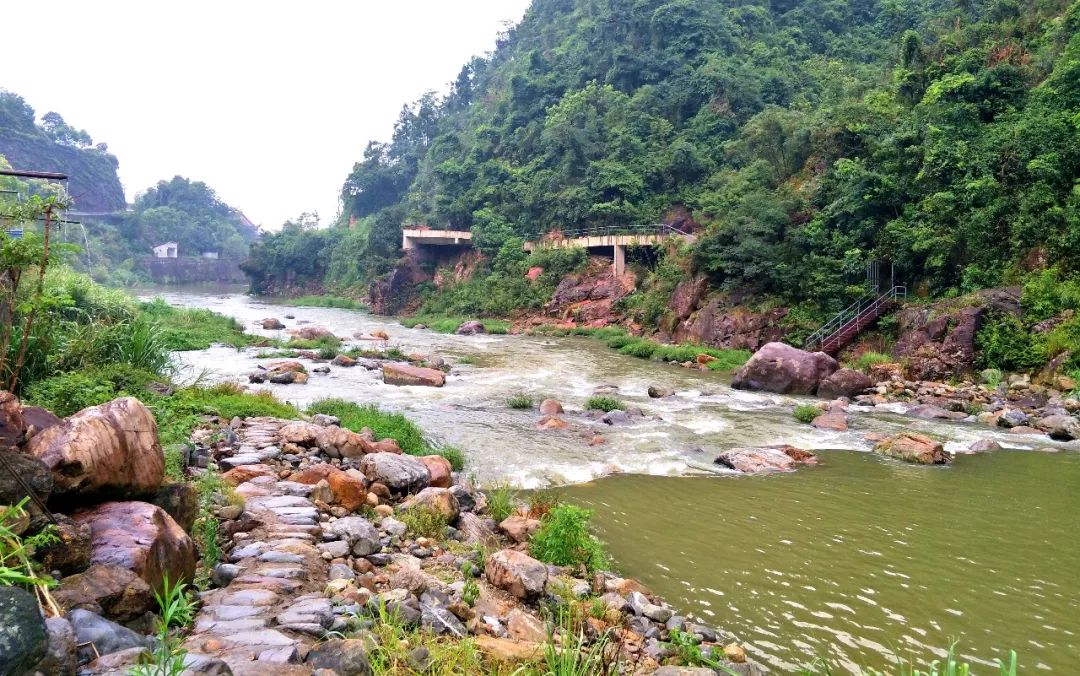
x=449 y=324
x=619 y=339
x=324 y=301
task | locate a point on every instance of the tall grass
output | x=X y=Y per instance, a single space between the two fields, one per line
x=325 y=301
x=195 y=328
x=449 y=324
x=604 y=403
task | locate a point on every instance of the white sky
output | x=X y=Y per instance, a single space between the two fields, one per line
x=269 y=103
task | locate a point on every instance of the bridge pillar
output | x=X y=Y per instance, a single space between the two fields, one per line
x=620 y=259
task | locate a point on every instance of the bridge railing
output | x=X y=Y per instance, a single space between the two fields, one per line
x=612 y=231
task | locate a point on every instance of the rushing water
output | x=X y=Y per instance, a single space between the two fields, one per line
x=851 y=560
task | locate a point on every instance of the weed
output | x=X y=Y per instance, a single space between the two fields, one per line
x=470 y=592
x=805 y=413
x=868 y=359
x=176 y=610
x=501 y=501
x=575 y=656
x=466 y=359
x=520 y=401
x=425 y=522
x=563 y=539
x=455 y=456
x=688 y=652
x=542 y=502
x=604 y=403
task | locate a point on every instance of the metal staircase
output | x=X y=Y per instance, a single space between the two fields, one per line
x=852 y=320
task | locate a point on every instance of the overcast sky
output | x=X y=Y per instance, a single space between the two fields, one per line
x=269 y=103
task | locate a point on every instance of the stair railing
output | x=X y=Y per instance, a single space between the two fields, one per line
x=853 y=316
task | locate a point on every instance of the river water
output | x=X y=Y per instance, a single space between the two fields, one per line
x=856 y=560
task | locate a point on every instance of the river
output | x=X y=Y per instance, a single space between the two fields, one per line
x=854 y=560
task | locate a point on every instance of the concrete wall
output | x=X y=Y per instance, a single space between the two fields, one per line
x=191 y=270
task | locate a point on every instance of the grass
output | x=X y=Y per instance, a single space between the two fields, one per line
x=617 y=338
x=520 y=401
x=329 y=342
x=576 y=655
x=179 y=414
x=455 y=456
x=194 y=328
x=501 y=501
x=868 y=359
x=325 y=301
x=805 y=413
x=425 y=522
x=563 y=539
x=394 y=640
x=604 y=403
x=950 y=666
x=384 y=424
x=391 y=352
x=449 y=324
x=175 y=610
x=277 y=354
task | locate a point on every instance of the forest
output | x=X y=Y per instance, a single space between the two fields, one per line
x=802 y=140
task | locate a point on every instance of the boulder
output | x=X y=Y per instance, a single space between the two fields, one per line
x=342 y=656
x=984 y=445
x=312 y=332
x=180 y=501
x=1013 y=418
x=12 y=426
x=519 y=528
x=932 y=412
x=406 y=374
x=32 y=472
x=778 y=367
x=286 y=366
x=440 y=470
x=349 y=490
x=470 y=328
x=110 y=591
x=550 y=407
x=60 y=659
x=142 y=538
x=915 y=448
x=339 y=442
x=661 y=391
x=272 y=324
x=24 y=637
x=1061 y=427
x=359 y=533
x=38 y=419
x=98 y=636
x=343 y=360
x=402 y=474
x=111 y=450
x=765 y=459
x=834 y=420
x=517 y=573
x=439 y=500
x=70 y=552
x=844 y=383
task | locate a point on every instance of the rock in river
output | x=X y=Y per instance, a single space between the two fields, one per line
x=470 y=328
x=777 y=367
x=844 y=383
x=405 y=374
x=765 y=459
x=916 y=448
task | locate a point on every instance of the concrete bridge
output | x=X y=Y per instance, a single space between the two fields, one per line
x=603 y=239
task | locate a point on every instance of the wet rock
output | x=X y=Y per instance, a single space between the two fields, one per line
x=470 y=328
x=517 y=573
x=142 y=538
x=765 y=459
x=111 y=591
x=272 y=324
x=347 y=489
x=401 y=474
x=406 y=374
x=283 y=377
x=550 y=407
x=344 y=657
x=614 y=417
x=180 y=501
x=95 y=633
x=1060 y=427
x=343 y=360
x=778 y=367
x=661 y=391
x=844 y=382
x=440 y=500
x=983 y=445
x=111 y=449
x=60 y=657
x=519 y=528
x=440 y=470
x=915 y=448
x=312 y=333
x=361 y=534
x=552 y=422
x=932 y=412
x=834 y=420
x=1013 y=418
x=24 y=637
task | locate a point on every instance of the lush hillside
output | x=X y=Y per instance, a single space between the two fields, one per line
x=51 y=144
x=801 y=139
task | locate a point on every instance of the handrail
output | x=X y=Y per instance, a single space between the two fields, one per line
x=866 y=308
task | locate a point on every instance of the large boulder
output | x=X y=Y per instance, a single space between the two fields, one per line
x=339 y=442
x=142 y=538
x=25 y=469
x=406 y=374
x=470 y=328
x=781 y=368
x=402 y=474
x=12 y=426
x=517 y=573
x=111 y=449
x=69 y=552
x=360 y=534
x=440 y=500
x=180 y=501
x=844 y=383
x=1061 y=427
x=349 y=490
x=98 y=636
x=272 y=324
x=111 y=591
x=765 y=459
x=915 y=448
x=23 y=635
x=440 y=470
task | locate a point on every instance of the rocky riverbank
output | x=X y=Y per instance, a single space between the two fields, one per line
x=339 y=555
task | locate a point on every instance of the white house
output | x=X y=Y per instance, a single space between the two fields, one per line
x=166 y=250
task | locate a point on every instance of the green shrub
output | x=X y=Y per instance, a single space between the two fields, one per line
x=619 y=342
x=520 y=401
x=642 y=349
x=1005 y=343
x=868 y=359
x=385 y=425
x=71 y=392
x=425 y=522
x=454 y=455
x=805 y=413
x=501 y=501
x=563 y=539
x=325 y=301
x=604 y=403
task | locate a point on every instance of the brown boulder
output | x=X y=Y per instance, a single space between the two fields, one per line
x=142 y=538
x=338 y=442
x=245 y=473
x=550 y=407
x=406 y=374
x=343 y=360
x=349 y=489
x=312 y=332
x=286 y=367
x=517 y=573
x=440 y=500
x=778 y=367
x=272 y=324
x=299 y=433
x=38 y=419
x=111 y=591
x=12 y=426
x=552 y=422
x=519 y=528
x=835 y=420
x=440 y=470
x=70 y=552
x=108 y=449
x=844 y=383
x=765 y=459
x=915 y=448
